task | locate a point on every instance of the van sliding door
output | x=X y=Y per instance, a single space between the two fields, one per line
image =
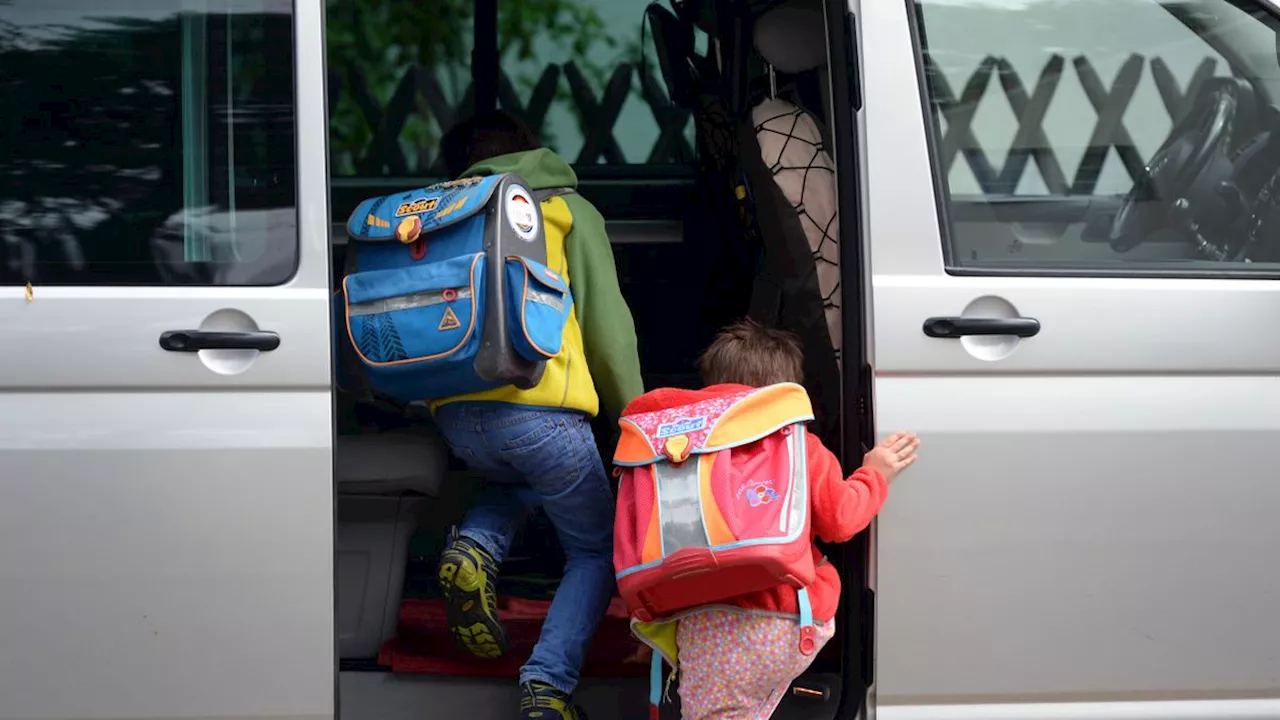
x=1083 y=325
x=166 y=498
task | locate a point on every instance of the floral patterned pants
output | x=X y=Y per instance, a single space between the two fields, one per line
x=737 y=665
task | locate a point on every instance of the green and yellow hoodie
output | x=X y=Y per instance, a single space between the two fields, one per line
x=598 y=363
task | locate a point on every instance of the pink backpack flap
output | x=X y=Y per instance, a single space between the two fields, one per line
x=714 y=502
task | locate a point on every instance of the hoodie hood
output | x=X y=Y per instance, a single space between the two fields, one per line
x=540 y=168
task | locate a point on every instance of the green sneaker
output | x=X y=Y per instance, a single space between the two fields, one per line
x=543 y=702
x=467 y=575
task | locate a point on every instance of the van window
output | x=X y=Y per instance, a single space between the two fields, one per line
x=1050 y=119
x=593 y=98
x=569 y=68
x=147 y=143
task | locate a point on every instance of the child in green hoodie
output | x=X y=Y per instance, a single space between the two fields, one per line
x=535 y=447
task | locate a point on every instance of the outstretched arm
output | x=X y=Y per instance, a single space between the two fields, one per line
x=842 y=507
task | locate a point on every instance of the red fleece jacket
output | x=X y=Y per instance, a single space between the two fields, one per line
x=839 y=508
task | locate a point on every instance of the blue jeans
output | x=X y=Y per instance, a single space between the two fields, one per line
x=533 y=457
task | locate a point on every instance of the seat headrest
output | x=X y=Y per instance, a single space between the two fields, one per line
x=792 y=37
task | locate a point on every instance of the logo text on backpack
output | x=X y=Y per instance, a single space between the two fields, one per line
x=422 y=204
x=683 y=425
x=757 y=492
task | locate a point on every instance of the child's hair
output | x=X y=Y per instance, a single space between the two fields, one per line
x=748 y=353
x=481 y=137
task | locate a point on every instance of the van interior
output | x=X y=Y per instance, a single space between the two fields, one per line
x=743 y=223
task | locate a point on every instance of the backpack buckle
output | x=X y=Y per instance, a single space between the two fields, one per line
x=409 y=229
x=808 y=632
x=807 y=642
x=677 y=448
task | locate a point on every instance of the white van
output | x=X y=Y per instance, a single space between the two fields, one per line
x=1059 y=263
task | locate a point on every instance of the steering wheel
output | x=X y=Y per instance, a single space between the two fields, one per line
x=1193 y=143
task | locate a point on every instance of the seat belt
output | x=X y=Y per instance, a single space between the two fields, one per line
x=546 y=194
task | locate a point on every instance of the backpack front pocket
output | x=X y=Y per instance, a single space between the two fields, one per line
x=539 y=303
x=426 y=314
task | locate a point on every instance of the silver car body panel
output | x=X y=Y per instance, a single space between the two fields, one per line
x=166 y=519
x=1090 y=531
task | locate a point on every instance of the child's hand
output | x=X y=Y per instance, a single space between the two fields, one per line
x=891 y=456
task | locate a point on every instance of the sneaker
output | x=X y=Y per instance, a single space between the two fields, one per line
x=540 y=701
x=467 y=575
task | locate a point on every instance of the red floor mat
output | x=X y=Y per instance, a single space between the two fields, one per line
x=422 y=644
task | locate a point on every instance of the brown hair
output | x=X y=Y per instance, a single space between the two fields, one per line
x=481 y=137
x=748 y=353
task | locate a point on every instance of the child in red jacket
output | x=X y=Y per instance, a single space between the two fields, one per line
x=737 y=664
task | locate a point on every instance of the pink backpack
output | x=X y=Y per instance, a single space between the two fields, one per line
x=714 y=503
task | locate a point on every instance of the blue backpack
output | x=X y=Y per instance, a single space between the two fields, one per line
x=447 y=292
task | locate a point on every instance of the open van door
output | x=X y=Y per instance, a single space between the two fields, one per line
x=166 y=499
x=1089 y=348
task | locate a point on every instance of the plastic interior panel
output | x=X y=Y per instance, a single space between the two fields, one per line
x=391 y=461
x=375 y=525
x=373 y=535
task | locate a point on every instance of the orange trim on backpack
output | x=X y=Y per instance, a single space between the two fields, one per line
x=759 y=414
x=633 y=446
x=652 y=550
x=718 y=531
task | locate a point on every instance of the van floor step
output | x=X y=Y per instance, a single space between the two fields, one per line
x=385 y=696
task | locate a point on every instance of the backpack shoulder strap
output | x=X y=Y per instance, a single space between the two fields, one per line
x=546 y=194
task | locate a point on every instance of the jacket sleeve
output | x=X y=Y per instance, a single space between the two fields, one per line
x=608 y=332
x=842 y=507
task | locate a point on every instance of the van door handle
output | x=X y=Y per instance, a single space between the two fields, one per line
x=954 y=327
x=196 y=340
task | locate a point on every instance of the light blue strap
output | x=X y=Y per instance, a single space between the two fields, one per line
x=806 y=610
x=655 y=679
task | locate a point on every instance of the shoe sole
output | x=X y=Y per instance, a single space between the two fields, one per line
x=550 y=708
x=473 y=627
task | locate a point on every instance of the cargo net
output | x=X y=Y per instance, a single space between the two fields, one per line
x=802 y=145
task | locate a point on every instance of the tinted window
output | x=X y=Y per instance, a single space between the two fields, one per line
x=581 y=79
x=142 y=143
x=570 y=68
x=1105 y=135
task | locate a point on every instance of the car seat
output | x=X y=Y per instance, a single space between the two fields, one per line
x=791 y=178
x=722 y=233
x=791 y=39
x=763 y=178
